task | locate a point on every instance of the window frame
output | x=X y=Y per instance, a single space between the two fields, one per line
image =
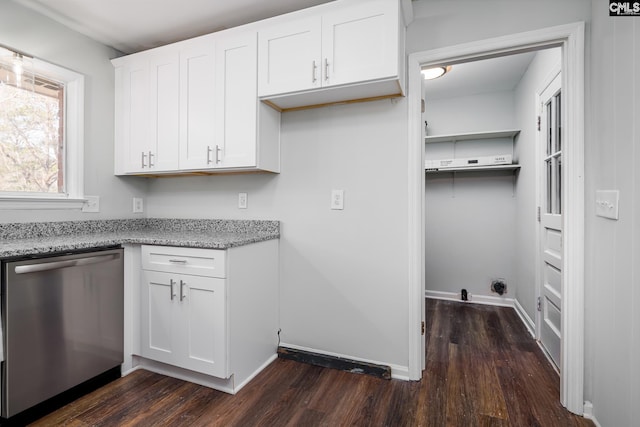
x=73 y=197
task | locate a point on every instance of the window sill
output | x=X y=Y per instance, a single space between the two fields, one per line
x=29 y=203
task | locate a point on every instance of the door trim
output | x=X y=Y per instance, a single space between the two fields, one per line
x=571 y=38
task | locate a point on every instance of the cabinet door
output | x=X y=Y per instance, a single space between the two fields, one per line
x=203 y=325
x=159 y=301
x=289 y=57
x=135 y=115
x=197 y=67
x=236 y=99
x=164 y=97
x=360 y=42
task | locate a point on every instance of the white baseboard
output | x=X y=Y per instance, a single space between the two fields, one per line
x=397 y=372
x=528 y=322
x=588 y=413
x=472 y=298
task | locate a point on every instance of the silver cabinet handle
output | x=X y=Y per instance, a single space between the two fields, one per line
x=143 y=157
x=151 y=156
x=209 y=150
x=171 y=283
x=218 y=154
x=326 y=70
x=178 y=261
x=314 y=76
x=182 y=295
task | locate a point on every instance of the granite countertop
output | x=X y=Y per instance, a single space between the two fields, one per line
x=20 y=239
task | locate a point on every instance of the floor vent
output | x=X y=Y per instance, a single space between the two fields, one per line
x=347 y=365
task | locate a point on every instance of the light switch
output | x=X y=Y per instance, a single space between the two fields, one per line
x=607 y=203
x=337 y=199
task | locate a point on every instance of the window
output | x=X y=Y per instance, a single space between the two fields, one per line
x=41 y=133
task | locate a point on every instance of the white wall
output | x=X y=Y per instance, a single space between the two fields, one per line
x=32 y=33
x=467 y=114
x=612 y=247
x=344 y=274
x=526 y=202
x=470 y=217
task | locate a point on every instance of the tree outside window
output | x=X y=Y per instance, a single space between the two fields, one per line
x=32 y=150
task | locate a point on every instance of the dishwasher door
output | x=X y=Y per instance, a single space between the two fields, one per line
x=63 y=324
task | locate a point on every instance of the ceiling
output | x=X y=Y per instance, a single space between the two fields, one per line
x=134 y=25
x=484 y=76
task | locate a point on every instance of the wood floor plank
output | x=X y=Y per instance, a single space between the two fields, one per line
x=482 y=369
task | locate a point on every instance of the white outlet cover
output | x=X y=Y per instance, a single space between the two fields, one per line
x=337 y=199
x=138 y=205
x=607 y=203
x=243 y=199
x=91 y=204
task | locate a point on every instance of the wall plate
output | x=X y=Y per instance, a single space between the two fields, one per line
x=607 y=203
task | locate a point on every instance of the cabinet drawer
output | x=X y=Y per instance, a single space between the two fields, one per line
x=199 y=262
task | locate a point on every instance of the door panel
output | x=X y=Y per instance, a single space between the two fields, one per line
x=290 y=56
x=204 y=328
x=164 y=111
x=236 y=105
x=549 y=319
x=136 y=124
x=197 y=87
x=356 y=46
x=157 y=323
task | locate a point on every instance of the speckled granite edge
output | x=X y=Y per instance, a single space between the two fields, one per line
x=215 y=225
x=33 y=230
x=26 y=239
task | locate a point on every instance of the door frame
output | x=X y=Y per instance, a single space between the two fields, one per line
x=571 y=38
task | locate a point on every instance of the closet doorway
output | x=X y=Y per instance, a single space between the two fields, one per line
x=569 y=39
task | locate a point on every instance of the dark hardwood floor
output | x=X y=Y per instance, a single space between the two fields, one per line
x=483 y=369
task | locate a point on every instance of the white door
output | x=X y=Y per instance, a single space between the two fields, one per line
x=158 y=316
x=197 y=105
x=359 y=43
x=135 y=115
x=203 y=324
x=290 y=57
x=164 y=97
x=550 y=296
x=236 y=99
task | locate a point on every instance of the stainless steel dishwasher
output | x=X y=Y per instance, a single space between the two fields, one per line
x=62 y=323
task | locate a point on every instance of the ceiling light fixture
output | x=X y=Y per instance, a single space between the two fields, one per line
x=435 y=72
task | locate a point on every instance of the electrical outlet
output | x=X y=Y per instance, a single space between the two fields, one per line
x=91 y=204
x=138 y=205
x=243 y=199
x=337 y=199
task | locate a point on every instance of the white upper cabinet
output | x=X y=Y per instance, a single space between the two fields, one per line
x=356 y=44
x=236 y=100
x=193 y=107
x=147 y=96
x=290 y=57
x=247 y=131
x=164 y=110
x=360 y=43
x=197 y=104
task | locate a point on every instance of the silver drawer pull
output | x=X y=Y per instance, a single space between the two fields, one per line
x=178 y=261
x=182 y=295
x=171 y=283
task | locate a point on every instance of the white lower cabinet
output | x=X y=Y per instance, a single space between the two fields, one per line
x=184 y=321
x=208 y=316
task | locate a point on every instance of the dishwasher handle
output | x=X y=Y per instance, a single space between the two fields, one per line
x=56 y=265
